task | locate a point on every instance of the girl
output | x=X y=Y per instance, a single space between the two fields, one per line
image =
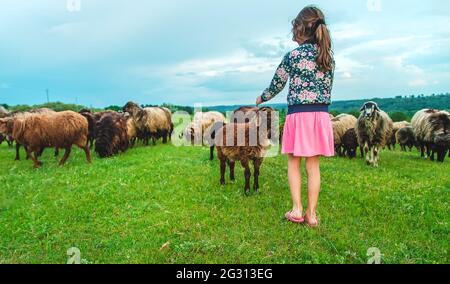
x=308 y=131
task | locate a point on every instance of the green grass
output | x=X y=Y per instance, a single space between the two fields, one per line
x=123 y=209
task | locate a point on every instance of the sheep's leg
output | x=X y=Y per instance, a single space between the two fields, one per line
x=211 y=153
x=87 y=151
x=223 y=167
x=431 y=156
x=36 y=162
x=66 y=156
x=17 y=152
x=232 y=164
x=367 y=153
x=257 y=165
x=56 y=152
x=164 y=135
x=376 y=155
x=247 y=175
x=361 y=150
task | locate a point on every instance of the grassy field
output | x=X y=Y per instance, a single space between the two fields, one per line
x=164 y=204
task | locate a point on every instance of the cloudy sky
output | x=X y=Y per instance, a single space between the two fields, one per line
x=211 y=51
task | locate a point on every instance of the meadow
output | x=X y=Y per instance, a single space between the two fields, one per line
x=164 y=204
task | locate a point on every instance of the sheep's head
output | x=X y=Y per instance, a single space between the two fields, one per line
x=6 y=125
x=440 y=123
x=130 y=107
x=3 y=126
x=369 y=110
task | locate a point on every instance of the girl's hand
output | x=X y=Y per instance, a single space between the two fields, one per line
x=259 y=101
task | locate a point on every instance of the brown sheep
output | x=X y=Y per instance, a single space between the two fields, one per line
x=392 y=139
x=373 y=129
x=169 y=118
x=202 y=129
x=350 y=143
x=92 y=121
x=341 y=124
x=432 y=130
x=131 y=131
x=9 y=128
x=112 y=136
x=405 y=138
x=244 y=142
x=59 y=130
x=151 y=122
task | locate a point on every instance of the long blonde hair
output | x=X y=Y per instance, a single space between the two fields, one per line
x=310 y=27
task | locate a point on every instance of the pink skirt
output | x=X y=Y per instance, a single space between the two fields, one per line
x=308 y=134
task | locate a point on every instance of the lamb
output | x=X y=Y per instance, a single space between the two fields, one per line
x=432 y=130
x=350 y=143
x=392 y=139
x=341 y=124
x=244 y=142
x=373 y=129
x=405 y=138
x=203 y=128
x=59 y=130
x=112 y=136
x=151 y=122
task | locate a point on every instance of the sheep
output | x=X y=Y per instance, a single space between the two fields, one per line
x=350 y=143
x=202 y=128
x=59 y=130
x=405 y=138
x=9 y=128
x=373 y=129
x=111 y=137
x=432 y=130
x=92 y=121
x=244 y=142
x=3 y=112
x=169 y=118
x=131 y=131
x=392 y=139
x=341 y=124
x=151 y=122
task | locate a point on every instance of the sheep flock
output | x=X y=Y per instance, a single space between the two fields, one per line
x=244 y=138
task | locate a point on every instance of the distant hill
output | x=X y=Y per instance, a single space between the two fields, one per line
x=410 y=104
x=399 y=108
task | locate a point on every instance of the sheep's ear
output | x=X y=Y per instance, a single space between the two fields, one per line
x=362 y=108
x=377 y=108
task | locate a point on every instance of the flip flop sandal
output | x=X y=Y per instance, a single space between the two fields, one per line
x=293 y=219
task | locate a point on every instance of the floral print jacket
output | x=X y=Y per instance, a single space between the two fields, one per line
x=308 y=84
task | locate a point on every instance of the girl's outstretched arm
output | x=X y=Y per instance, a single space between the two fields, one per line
x=279 y=80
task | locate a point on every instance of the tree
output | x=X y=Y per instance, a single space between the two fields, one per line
x=398 y=116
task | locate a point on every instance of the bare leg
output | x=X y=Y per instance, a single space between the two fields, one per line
x=313 y=170
x=295 y=183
